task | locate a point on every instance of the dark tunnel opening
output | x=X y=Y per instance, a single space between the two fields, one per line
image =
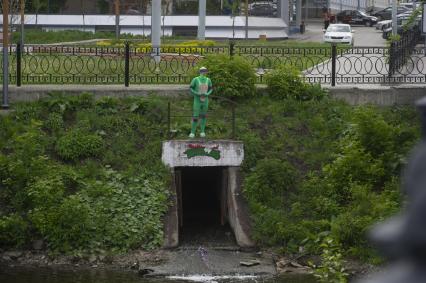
x=203 y=203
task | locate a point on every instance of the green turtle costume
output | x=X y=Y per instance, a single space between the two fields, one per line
x=201 y=87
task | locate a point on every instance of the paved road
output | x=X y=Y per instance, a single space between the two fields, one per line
x=362 y=65
x=370 y=65
x=364 y=36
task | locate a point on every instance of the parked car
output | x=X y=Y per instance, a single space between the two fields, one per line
x=339 y=33
x=262 y=9
x=386 y=14
x=409 y=5
x=383 y=24
x=355 y=17
x=387 y=32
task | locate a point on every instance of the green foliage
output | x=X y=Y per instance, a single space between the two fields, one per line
x=81 y=206
x=77 y=144
x=114 y=212
x=348 y=163
x=232 y=78
x=270 y=182
x=286 y=82
x=331 y=269
x=312 y=166
x=13 y=231
x=54 y=122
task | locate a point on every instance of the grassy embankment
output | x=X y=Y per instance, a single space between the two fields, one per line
x=86 y=175
x=69 y=166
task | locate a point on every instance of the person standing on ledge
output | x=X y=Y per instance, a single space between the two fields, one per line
x=201 y=87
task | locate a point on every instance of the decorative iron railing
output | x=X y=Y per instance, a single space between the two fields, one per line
x=175 y=64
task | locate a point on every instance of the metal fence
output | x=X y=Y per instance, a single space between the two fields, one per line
x=221 y=117
x=175 y=64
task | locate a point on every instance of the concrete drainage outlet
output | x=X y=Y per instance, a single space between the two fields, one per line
x=206 y=190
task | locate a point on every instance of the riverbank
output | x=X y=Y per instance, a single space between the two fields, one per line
x=188 y=261
x=157 y=263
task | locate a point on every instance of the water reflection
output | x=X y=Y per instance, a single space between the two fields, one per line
x=71 y=275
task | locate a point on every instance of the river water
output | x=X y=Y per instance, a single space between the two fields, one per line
x=69 y=275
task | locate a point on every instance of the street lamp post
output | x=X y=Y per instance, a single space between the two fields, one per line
x=22 y=23
x=247 y=28
x=156 y=29
x=201 y=34
x=394 y=22
x=5 y=102
x=117 y=19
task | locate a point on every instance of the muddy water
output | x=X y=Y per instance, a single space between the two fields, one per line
x=64 y=275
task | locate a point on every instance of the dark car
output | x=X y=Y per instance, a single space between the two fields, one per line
x=262 y=9
x=355 y=17
x=386 y=14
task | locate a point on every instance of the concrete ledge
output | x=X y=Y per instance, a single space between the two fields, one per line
x=378 y=95
x=35 y=92
x=200 y=153
x=352 y=94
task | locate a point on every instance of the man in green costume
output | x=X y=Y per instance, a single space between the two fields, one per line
x=201 y=87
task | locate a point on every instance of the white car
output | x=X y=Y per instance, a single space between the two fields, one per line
x=383 y=24
x=339 y=33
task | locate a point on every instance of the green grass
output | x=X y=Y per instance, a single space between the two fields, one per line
x=37 y=36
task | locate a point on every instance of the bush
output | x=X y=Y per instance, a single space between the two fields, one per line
x=286 y=82
x=113 y=212
x=77 y=144
x=54 y=122
x=232 y=78
x=13 y=231
x=270 y=182
x=65 y=225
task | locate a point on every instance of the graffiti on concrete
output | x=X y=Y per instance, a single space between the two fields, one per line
x=201 y=150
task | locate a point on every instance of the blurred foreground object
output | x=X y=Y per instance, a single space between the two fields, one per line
x=402 y=239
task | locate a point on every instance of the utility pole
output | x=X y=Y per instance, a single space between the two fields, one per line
x=201 y=34
x=22 y=23
x=117 y=19
x=247 y=12
x=394 y=21
x=5 y=102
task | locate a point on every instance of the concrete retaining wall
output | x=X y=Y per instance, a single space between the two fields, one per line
x=352 y=94
x=379 y=95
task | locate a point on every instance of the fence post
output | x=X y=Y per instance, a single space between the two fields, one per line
x=168 y=118
x=231 y=48
x=391 y=58
x=18 y=64
x=333 y=64
x=127 y=65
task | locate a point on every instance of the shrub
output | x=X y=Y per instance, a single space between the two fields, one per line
x=331 y=269
x=286 y=82
x=54 y=122
x=270 y=182
x=232 y=78
x=77 y=144
x=65 y=224
x=13 y=231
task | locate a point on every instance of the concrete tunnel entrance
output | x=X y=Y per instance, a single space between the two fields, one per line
x=207 y=205
x=202 y=201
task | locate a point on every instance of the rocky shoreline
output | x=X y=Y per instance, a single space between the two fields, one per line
x=164 y=263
